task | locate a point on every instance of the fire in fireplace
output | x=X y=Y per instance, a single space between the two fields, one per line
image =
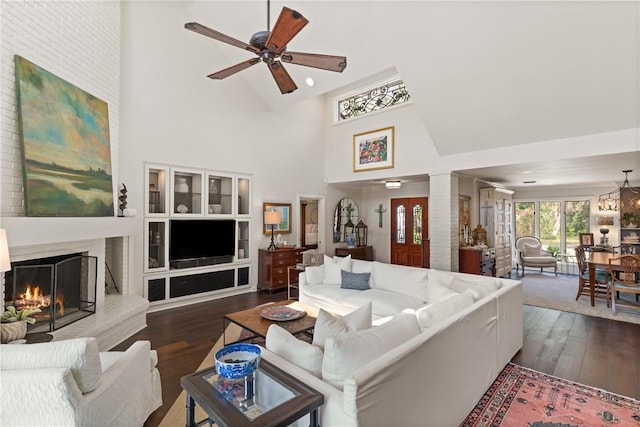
x=62 y=287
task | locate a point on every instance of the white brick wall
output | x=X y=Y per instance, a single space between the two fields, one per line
x=443 y=221
x=78 y=41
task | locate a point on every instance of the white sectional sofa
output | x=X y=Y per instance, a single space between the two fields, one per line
x=468 y=328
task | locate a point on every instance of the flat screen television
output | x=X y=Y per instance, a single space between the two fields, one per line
x=201 y=238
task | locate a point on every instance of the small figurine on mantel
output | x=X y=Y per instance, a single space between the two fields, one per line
x=123 y=199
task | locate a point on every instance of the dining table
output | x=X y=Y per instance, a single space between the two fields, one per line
x=600 y=260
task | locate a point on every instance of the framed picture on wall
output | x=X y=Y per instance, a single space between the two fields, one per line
x=373 y=150
x=285 y=217
x=464 y=218
x=586 y=239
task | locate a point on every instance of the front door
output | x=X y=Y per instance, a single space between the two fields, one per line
x=410 y=232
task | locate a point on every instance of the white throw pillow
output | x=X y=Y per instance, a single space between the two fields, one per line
x=437 y=293
x=346 y=352
x=300 y=353
x=328 y=325
x=435 y=313
x=314 y=274
x=361 y=266
x=332 y=268
x=531 y=250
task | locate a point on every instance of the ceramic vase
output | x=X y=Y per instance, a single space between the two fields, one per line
x=12 y=331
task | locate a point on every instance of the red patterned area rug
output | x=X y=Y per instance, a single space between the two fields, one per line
x=526 y=398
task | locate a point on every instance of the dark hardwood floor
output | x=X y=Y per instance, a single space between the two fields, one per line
x=594 y=351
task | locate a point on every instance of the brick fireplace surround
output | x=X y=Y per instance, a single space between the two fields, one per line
x=117 y=316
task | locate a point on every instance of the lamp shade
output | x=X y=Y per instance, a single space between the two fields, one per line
x=272 y=217
x=5 y=260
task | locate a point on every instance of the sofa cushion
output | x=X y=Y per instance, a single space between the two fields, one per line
x=531 y=250
x=314 y=274
x=357 y=281
x=433 y=314
x=332 y=268
x=479 y=288
x=346 y=352
x=328 y=325
x=333 y=295
x=410 y=281
x=80 y=355
x=437 y=292
x=300 y=353
x=384 y=303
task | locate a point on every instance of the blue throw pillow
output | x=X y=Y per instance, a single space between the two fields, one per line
x=357 y=281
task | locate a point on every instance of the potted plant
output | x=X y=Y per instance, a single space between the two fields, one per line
x=13 y=323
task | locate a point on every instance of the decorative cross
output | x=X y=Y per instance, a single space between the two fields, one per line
x=380 y=211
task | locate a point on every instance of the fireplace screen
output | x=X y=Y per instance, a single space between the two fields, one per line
x=63 y=288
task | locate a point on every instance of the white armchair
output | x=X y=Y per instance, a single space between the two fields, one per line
x=70 y=383
x=531 y=254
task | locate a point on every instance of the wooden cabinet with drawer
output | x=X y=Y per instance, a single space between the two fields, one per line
x=478 y=261
x=272 y=267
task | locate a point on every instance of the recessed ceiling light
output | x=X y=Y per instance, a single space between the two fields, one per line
x=310 y=82
x=526 y=171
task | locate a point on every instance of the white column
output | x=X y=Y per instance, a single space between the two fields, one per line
x=443 y=221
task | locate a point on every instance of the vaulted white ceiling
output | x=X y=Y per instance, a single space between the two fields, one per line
x=482 y=75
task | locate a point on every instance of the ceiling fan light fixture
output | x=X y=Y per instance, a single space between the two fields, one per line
x=392 y=185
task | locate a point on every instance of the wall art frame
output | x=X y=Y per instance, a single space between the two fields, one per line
x=374 y=149
x=586 y=239
x=66 y=152
x=285 y=213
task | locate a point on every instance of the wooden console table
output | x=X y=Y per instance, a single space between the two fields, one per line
x=480 y=261
x=359 y=252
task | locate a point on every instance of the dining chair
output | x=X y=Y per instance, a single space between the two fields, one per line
x=602 y=277
x=625 y=278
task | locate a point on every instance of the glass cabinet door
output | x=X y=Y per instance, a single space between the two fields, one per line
x=156 y=190
x=187 y=193
x=219 y=194
x=157 y=249
x=244 y=196
x=243 y=240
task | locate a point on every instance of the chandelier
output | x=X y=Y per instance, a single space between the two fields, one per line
x=613 y=201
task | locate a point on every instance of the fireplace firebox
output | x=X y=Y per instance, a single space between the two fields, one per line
x=62 y=287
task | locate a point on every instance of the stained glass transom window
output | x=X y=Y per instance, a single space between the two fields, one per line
x=381 y=96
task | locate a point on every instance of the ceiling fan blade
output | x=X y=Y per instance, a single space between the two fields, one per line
x=206 y=31
x=283 y=79
x=315 y=60
x=233 y=69
x=289 y=24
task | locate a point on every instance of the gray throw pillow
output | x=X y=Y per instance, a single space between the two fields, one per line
x=357 y=281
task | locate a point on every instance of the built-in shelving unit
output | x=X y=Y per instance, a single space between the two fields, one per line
x=174 y=193
x=630 y=232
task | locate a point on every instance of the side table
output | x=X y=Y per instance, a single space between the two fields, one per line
x=269 y=397
x=295 y=270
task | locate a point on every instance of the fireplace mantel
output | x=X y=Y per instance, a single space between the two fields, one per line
x=28 y=231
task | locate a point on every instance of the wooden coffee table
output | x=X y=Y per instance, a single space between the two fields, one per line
x=252 y=321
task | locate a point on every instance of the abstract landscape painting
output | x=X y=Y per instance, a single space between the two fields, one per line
x=65 y=146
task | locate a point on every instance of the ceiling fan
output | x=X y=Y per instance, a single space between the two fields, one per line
x=270 y=46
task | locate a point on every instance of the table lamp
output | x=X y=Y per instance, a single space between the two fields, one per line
x=272 y=218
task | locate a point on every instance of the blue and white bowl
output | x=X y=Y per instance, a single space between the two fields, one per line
x=237 y=360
